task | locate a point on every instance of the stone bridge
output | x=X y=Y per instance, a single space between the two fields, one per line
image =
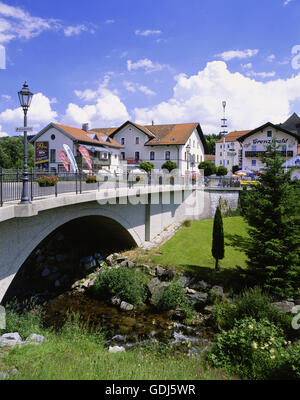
x=132 y=217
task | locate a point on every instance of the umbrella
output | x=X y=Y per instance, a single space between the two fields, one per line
x=244 y=172
x=241 y=174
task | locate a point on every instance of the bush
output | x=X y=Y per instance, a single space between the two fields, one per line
x=172 y=297
x=126 y=283
x=221 y=171
x=169 y=166
x=289 y=365
x=251 y=349
x=25 y=324
x=252 y=303
x=208 y=167
x=187 y=223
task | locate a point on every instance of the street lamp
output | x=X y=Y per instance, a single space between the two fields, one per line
x=188 y=150
x=25 y=97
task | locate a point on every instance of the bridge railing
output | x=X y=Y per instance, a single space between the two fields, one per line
x=40 y=183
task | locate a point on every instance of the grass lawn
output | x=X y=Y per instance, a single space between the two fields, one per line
x=190 y=249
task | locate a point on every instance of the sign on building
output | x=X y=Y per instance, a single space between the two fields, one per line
x=41 y=152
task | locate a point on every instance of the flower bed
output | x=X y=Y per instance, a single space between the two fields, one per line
x=90 y=179
x=47 y=181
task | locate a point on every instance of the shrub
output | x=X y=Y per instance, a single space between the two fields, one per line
x=252 y=303
x=25 y=324
x=208 y=167
x=251 y=349
x=289 y=365
x=126 y=283
x=169 y=166
x=172 y=297
x=221 y=171
x=187 y=223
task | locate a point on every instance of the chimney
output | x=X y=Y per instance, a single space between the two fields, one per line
x=85 y=127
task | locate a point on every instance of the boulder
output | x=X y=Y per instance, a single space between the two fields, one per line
x=198 y=298
x=208 y=309
x=159 y=271
x=111 y=259
x=121 y=259
x=126 y=306
x=116 y=349
x=199 y=285
x=46 y=272
x=169 y=274
x=116 y=301
x=35 y=339
x=217 y=291
x=10 y=339
x=155 y=287
x=284 y=306
x=89 y=262
x=184 y=281
x=127 y=264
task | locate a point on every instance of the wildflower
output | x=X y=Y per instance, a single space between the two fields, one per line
x=272 y=350
x=273 y=357
x=250 y=326
x=254 y=345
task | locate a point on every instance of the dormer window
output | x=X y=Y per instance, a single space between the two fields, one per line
x=168 y=155
x=269 y=133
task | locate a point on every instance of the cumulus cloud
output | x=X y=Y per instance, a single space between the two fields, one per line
x=286 y=2
x=231 y=54
x=198 y=98
x=146 y=64
x=2 y=134
x=147 y=32
x=39 y=114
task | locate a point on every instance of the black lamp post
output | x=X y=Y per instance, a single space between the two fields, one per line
x=25 y=97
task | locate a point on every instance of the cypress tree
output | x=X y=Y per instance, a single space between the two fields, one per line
x=218 y=250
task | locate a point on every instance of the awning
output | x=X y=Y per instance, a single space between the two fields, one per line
x=98 y=149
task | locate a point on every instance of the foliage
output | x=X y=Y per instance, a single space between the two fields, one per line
x=273 y=215
x=208 y=167
x=169 y=166
x=24 y=323
x=90 y=179
x=289 y=367
x=218 y=249
x=147 y=166
x=211 y=141
x=47 y=180
x=187 y=223
x=172 y=297
x=251 y=303
x=235 y=168
x=251 y=349
x=127 y=283
x=221 y=171
x=12 y=153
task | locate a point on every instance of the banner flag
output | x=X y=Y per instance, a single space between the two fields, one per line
x=64 y=158
x=71 y=158
x=86 y=155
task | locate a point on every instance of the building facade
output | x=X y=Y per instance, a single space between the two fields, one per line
x=183 y=144
x=254 y=145
x=104 y=152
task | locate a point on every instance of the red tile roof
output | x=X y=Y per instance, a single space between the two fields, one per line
x=209 y=157
x=233 y=136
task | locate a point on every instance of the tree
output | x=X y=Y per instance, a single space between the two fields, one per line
x=218 y=250
x=222 y=171
x=12 y=153
x=235 y=168
x=170 y=166
x=209 y=168
x=147 y=166
x=273 y=214
x=211 y=141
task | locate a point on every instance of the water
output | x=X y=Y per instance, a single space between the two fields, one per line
x=129 y=329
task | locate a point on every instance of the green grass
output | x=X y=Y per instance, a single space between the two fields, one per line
x=77 y=353
x=190 y=249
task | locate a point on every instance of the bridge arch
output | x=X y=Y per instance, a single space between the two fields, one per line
x=112 y=223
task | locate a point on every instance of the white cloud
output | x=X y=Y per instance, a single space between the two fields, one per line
x=147 y=32
x=6 y=97
x=271 y=58
x=131 y=87
x=75 y=30
x=40 y=113
x=17 y=23
x=198 y=98
x=2 y=134
x=146 y=64
x=261 y=74
x=246 y=66
x=231 y=54
x=286 y=2
x=110 y=21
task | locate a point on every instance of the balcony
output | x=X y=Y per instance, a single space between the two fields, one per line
x=264 y=153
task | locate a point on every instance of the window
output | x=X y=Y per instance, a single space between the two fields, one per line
x=269 y=133
x=123 y=141
x=221 y=154
x=194 y=145
x=52 y=137
x=137 y=140
x=137 y=155
x=253 y=163
x=227 y=162
x=253 y=148
x=152 y=155
x=168 y=155
x=122 y=155
x=197 y=158
x=220 y=162
x=52 y=155
x=185 y=156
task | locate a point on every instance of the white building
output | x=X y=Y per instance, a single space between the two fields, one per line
x=254 y=144
x=104 y=151
x=294 y=163
x=183 y=144
x=229 y=151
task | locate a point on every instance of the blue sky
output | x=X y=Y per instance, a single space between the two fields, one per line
x=168 y=61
